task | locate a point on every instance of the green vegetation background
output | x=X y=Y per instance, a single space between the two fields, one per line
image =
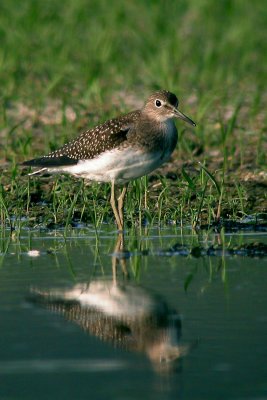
x=65 y=66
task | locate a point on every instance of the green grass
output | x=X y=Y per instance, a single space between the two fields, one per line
x=67 y=66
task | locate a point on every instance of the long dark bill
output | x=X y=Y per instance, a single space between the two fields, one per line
x=180 y=115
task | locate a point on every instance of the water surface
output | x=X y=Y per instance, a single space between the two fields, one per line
x=158 y=321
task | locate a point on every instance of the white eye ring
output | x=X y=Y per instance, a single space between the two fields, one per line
x=158 y=103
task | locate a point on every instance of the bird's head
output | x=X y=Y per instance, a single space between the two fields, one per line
x=163 y=105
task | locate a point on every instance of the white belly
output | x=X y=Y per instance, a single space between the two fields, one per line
x=119 y=166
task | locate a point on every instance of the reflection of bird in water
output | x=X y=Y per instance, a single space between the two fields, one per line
x=125 y=315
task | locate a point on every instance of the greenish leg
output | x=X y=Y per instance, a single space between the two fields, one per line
x=121 y=203
x=114 y=207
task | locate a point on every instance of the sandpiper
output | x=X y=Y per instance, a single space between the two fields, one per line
x=120 y=149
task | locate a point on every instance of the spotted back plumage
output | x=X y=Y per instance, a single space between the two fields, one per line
x=90 y=143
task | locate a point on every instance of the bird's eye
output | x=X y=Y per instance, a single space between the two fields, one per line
x=158 y=103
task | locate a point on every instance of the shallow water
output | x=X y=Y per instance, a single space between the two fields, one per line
x=80 y=319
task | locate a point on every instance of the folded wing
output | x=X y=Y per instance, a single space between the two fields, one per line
x=88 y=144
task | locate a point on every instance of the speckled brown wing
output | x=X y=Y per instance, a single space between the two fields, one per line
x=89 y=144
